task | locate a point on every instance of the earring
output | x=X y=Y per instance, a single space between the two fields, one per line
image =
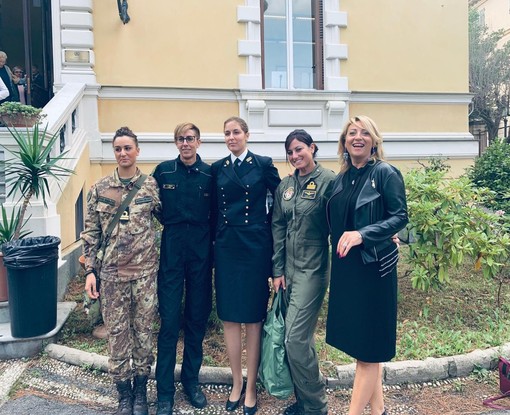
x=374 y=149
x=346 y=156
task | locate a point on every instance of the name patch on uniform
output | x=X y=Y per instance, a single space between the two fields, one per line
x=106 y=200
x=289 y=192
x=309 y=194
x=141 y=200
x=169 y=186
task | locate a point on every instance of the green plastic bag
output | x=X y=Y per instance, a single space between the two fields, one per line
x=274 y=372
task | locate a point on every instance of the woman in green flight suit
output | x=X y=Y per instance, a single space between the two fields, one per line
x=300 y=265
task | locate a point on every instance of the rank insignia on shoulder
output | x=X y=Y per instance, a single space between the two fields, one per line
x=125 y=216
x=289 y=192
x=309 y=194
x=311 y=186
x=169 y=186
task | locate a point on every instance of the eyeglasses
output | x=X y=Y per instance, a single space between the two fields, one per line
x=188 y=138
x=18 y=71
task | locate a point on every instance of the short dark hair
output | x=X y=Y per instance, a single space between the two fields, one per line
x=303 y=136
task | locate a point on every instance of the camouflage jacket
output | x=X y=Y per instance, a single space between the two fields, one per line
x=131 y=252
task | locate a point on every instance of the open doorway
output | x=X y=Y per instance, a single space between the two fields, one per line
x=25 y=36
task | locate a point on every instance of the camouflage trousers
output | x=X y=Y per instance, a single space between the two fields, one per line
x=128 y=310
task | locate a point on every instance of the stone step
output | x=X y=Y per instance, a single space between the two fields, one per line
x=15 y=348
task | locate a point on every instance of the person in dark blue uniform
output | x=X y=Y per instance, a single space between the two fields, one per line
x=242 y=254
x=185 y=186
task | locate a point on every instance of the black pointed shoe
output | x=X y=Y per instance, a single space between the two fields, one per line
x=249 y=410
x=231 y=406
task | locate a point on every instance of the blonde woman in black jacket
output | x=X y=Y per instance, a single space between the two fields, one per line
x=367 y=207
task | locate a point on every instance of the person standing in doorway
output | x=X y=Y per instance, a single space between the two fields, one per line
x=185 y=186
x=6 y=75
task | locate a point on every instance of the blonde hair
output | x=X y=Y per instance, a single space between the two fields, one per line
x=181 y=128
x=368 y=124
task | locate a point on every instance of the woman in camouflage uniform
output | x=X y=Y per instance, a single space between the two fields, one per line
x=128 y=270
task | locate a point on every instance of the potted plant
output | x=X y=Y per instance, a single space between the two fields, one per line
x=32 y=262
x=16 y=114
x=7 y=228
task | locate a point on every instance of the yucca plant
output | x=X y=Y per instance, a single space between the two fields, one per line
x=8 y=225
x=33 y=164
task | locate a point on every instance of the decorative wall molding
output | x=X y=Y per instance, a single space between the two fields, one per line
x=158 y=147
x=73 y=49
x=167 y=94
x=411 y=98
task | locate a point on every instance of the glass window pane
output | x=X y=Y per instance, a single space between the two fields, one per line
x=275 y=44
x=303 y=44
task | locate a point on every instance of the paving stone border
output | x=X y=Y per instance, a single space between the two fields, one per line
x=394 y=373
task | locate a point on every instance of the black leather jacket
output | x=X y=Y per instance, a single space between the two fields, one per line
x=381 y=209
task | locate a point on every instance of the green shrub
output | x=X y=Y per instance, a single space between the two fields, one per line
x=449 y=223
x=492 y=170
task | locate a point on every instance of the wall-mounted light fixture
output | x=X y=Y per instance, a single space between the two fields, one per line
x=123 y=6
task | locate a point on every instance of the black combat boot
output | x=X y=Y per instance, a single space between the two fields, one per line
x=140 y=395
x=125 y=398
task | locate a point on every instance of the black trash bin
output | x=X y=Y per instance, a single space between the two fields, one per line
x=32 y=281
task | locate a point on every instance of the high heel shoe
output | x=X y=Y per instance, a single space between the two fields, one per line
x=249 y=410
x=231 y=406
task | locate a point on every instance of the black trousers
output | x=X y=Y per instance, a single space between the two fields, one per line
x=185 y=269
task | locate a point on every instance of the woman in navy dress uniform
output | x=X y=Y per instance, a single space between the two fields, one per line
x=243 y=251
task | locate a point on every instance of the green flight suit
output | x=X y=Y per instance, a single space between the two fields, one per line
x=301 y=254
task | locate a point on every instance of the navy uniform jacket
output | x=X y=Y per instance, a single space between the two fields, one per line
x=243 y=248
x=239 y=196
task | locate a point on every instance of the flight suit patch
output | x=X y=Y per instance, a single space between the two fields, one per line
x=309 y=194
x=289 y=192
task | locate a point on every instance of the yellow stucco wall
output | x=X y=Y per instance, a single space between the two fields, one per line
x=157 y=116
x=166 y=44
x=67 y=202
x=415 y=117
x=405 y=46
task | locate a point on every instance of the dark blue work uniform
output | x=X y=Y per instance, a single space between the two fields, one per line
x=185 y=263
